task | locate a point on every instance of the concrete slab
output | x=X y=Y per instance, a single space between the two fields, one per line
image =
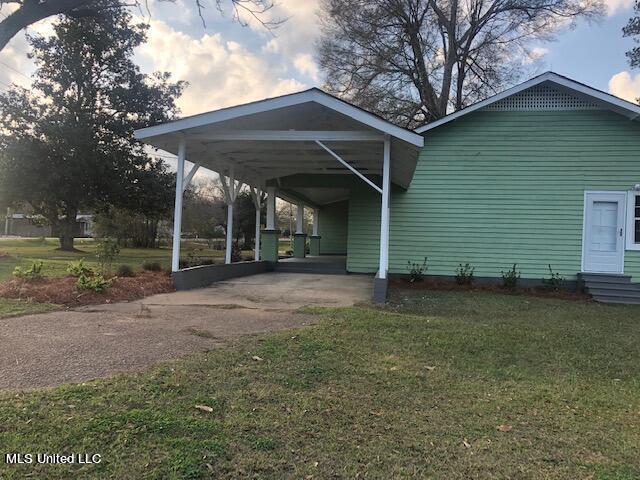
x=276 y=291
x=99 y=340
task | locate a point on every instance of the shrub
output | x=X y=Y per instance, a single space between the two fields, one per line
x=124 y=271
x=236 y=253
x=152 y=266
x=76 y=269
x=510 y=277
x=464 y=274
x=32 y=273
x=416 y=270
x=555 y=282
x=97 y=283
x=106 y=252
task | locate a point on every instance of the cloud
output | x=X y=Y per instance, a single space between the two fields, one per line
x=306 y=65
x=625 y=86
x=614 y=6
x=220 y=73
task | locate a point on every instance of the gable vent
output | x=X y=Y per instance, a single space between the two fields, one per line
x=541 y=97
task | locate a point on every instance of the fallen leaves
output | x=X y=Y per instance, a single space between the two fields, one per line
x=204 y=408
x=504 y=428
x=431 y=368
x=257 y=358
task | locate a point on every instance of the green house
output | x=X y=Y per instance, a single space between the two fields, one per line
x=544 y=175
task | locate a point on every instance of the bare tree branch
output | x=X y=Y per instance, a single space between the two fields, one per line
x=415 y=60
x=32 y=11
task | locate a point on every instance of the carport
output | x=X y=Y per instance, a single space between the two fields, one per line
x=309 y=135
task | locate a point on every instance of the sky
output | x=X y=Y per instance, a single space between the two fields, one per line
x=226 y=63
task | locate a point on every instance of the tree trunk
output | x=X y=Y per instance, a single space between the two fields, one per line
x=67 y=230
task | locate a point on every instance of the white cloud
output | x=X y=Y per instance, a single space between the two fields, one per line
x=613 y=6
x=625 y=86
x=299 y=33
x=220 y=73
x=306 y=65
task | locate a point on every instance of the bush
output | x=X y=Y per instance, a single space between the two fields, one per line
x=76 y=269
x=464 y=274
x=152 y=266
x=416 y=270
x=32 y=273
x=510 y=278
x=555 y=282
x=124 y=271
x=236 y=253
x=97 y=283
x=106 y=252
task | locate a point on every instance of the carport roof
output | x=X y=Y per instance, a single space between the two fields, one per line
x=278 y=137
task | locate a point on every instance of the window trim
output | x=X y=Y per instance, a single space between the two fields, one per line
x=631 y=220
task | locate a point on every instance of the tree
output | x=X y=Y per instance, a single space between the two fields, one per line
x=135 y=223
x=68 y=142
x=632 y=29
x=412 y=61
x=28 y=12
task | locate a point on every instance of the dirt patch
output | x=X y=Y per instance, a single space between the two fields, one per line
x=436 y=284
x=62 y=290
x=4 y=255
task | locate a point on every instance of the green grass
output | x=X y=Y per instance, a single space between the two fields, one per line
x=13 y=308
x=416 y=390
x=25 y=251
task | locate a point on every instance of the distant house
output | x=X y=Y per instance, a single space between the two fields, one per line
x=25 y=225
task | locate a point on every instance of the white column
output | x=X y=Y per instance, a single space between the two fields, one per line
x=384 y=211
x=229 y=246
x=316 y=216
x=6 y=221
x=230 y=201
x=177 y=215
x=257 y=246
x=300 y=218
x=271 y=208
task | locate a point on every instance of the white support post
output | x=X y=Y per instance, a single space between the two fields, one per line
x=271 y=208
x=316 y=216
x=300 y=218
x=384 y=213
x=257 y=201
x=177 y=216
x=229 y=246
x=231 y=188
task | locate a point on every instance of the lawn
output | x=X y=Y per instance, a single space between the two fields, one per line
x=437 y=385
x=25 y=251
x=12 y=308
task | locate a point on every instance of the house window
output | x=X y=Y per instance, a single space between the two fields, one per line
x=633 y=224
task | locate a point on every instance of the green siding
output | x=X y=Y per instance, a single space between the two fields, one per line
x=364 y=230
x=332 y=228
x=497 y=188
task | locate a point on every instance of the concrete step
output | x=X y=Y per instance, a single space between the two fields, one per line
x=332 y=269
x=616 y=299
x=603 y=278
x=615 y=287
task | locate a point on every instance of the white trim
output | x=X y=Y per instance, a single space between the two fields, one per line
x=291 y=136
x=313 y=95
x=623 y=197
x=384 y=211
x=354 y=170
x=177 y=213
x=631 y=220
x=192 y=173
x=617 y=104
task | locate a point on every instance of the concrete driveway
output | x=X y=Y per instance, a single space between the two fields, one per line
x=96 y=341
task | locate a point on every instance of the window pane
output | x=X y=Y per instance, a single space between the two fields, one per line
x=637 y=200
x=637 y=237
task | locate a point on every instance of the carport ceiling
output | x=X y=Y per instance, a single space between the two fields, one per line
x=277 y=137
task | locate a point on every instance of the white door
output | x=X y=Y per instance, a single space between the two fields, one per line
x=603 y=243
